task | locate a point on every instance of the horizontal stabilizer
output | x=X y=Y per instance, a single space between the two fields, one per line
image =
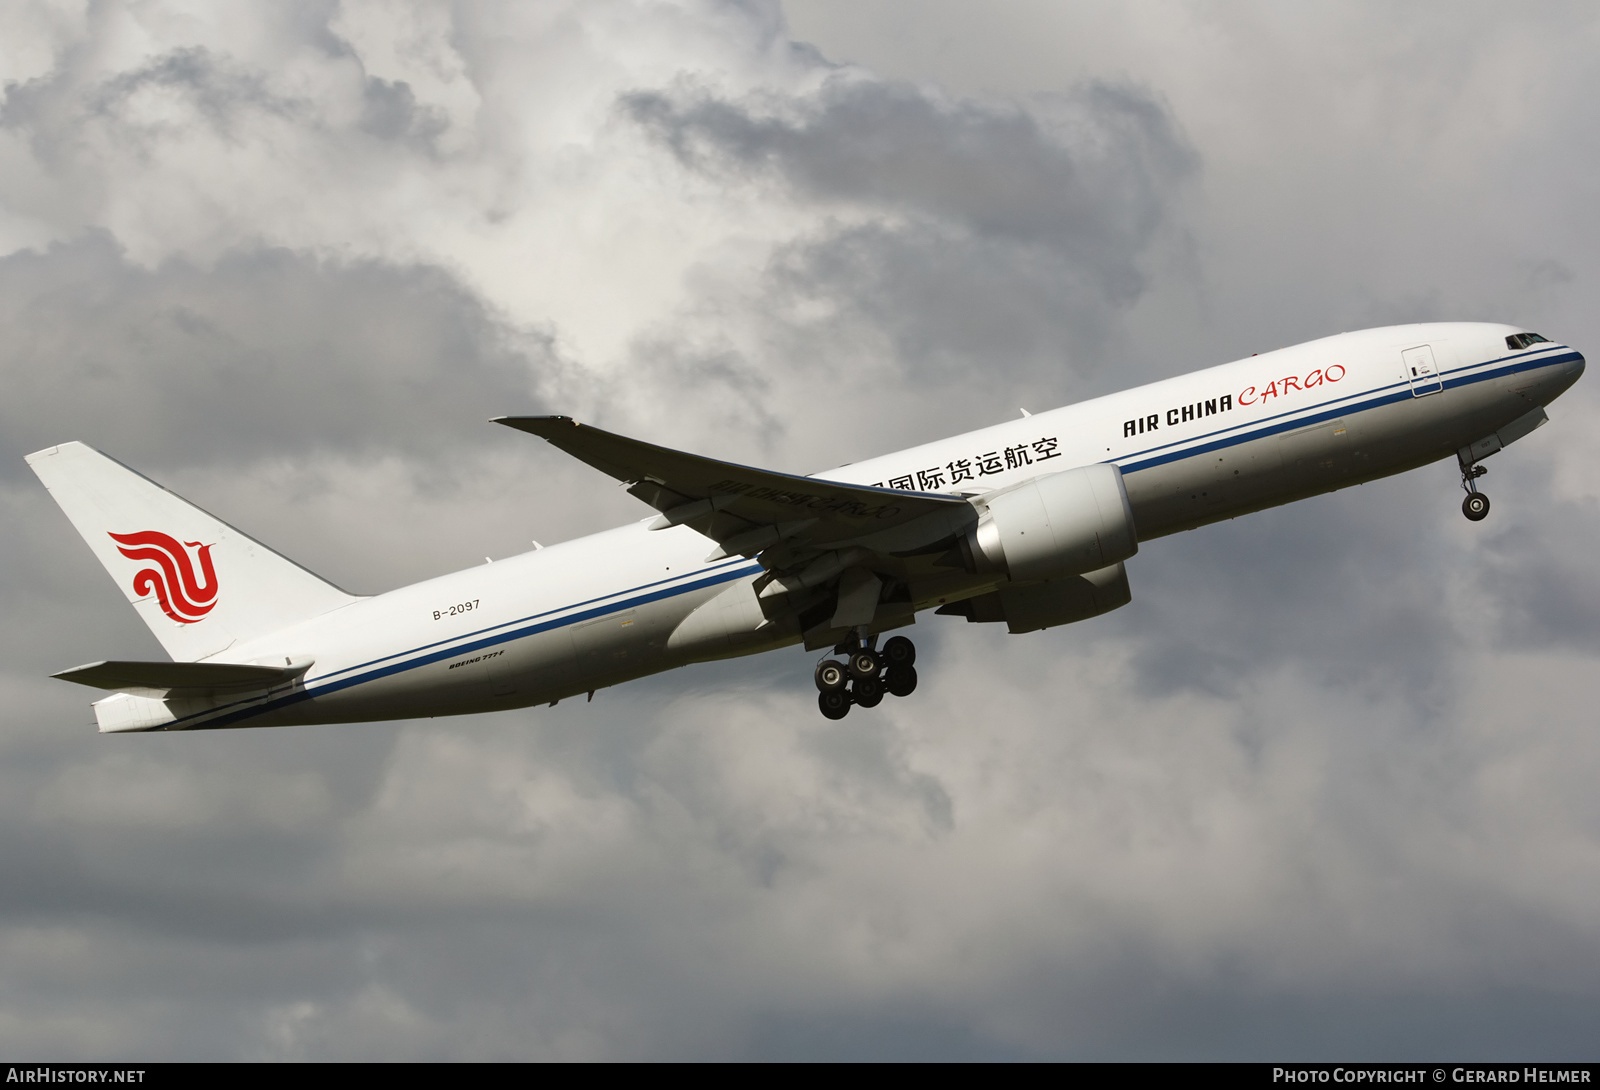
x=161 y=679
x=744 y=509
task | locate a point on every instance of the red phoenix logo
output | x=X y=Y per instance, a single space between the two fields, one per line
x=182 y=597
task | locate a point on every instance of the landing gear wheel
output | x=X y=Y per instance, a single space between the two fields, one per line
x=834 y=704
x=1475 y=506
x=830 y=676
x=864 y=664
x=901 y=680
x=899 y=651
x=867 y=691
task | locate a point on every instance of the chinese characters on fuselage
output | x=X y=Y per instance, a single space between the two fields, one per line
x=990 y=464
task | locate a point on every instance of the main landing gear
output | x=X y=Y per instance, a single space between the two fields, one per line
x=865 y=675
x=1476 y=505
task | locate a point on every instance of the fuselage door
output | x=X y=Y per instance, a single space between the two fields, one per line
x=1421 y=371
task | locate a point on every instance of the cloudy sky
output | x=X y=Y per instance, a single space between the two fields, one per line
x=1324 y=790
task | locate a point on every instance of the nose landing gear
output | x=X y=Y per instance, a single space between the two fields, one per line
x=1476 y=505
x=866 y=675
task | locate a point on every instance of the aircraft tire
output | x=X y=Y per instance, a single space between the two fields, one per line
x=867 y=691
x=834 y=703
x=830 y=676
x=901 y=680
x=1475 y=506
x=899 y=651
x=864 y=664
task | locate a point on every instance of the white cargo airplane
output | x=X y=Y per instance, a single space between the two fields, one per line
x=1026 y=522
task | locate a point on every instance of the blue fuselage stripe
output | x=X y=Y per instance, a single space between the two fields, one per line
x=542 y=622
x=454 y=642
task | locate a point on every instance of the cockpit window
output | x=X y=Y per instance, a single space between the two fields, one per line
x=1518 y=341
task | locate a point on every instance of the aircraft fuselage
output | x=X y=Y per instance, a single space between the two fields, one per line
x=1192 y=450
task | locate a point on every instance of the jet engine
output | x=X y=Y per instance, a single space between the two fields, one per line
x=1045 y=605
x=1053 y=527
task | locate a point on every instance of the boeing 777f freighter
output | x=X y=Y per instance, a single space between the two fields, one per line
x=1028 y=523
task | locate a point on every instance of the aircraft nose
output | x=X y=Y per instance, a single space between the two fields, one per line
x=1569 y=373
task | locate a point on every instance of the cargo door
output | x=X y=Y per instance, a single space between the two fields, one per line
x=1421 y=371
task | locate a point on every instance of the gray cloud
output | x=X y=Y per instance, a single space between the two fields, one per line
x=224 y=95
x=1090 y=181
x=266 y=352
x=962 y=256
x=1537 y=585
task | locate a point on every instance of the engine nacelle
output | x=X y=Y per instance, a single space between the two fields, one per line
x=1053 y=527
x=1045 y=605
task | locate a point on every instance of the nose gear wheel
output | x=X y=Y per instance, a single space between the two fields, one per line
x=1476 y=505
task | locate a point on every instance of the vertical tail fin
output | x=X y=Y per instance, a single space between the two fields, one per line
x=197 y=582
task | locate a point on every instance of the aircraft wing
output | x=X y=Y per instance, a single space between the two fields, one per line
x=753 y=512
